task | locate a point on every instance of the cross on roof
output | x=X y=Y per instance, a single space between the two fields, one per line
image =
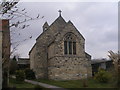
x=59 y=12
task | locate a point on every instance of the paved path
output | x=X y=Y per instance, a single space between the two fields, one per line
x=45 y=85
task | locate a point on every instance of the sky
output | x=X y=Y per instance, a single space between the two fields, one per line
x=96 y=21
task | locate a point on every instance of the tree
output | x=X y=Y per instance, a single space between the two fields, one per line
x=115 y=57
x=13 y=66
x=9 y=10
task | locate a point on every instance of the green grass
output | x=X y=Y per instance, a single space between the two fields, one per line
x=14 y=83
x=77 y=83
x=65 y=84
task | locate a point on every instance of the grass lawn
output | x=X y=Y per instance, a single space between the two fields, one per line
x=14 y=83
x=65 y=84
x=77 y=83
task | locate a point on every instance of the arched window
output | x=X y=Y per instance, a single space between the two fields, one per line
x=70 y=44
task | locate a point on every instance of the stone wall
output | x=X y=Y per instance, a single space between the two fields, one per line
x=59 y=48
x=51 y=50
x=42 y=43
x=41 y=61
x=68 y=68
x=32 y=58
x=50 y=61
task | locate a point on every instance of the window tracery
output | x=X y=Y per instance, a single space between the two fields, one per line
x=70 y=44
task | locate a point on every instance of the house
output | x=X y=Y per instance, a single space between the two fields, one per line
x=100 y=63
x=23 y=63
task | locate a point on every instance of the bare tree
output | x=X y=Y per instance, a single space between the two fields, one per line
x=9 y=10
x=115 y=57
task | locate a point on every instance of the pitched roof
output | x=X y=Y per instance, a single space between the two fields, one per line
x=69 y=22
x=32 y=48
x=59 y=23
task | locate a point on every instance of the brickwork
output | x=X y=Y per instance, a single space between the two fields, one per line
x=5 y=50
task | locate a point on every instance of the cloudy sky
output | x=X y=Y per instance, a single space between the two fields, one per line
x=96 y=21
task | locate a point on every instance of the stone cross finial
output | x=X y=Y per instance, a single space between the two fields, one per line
x=59 y=12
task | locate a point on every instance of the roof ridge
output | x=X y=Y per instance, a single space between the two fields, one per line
x=60 y=17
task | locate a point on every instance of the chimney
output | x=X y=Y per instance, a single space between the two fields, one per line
x=45 y=26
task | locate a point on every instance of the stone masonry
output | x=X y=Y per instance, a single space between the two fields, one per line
x=48 y=58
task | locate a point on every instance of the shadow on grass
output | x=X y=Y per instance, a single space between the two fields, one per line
x=16 y=85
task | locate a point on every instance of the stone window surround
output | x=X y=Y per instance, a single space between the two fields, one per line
x=69 y=44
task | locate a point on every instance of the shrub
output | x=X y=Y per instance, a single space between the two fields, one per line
x=29 y=74
x=20 y=75
x=102 y=76
x=13 y=66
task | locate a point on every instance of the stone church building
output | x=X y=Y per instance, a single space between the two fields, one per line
x=59 y=52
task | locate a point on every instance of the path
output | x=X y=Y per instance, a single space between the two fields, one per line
x=44 y=85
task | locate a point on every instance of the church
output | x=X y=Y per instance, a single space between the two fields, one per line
x=59 y=52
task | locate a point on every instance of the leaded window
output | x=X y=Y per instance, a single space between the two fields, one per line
x=70 y=44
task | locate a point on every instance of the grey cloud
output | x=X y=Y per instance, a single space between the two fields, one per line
x=96 y=21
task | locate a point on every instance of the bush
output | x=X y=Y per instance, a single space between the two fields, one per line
x=29 y=74
x=13 y=66
x=102 y=76
x=20 y=75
